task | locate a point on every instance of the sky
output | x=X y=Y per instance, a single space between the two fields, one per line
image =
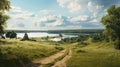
x=57 y=14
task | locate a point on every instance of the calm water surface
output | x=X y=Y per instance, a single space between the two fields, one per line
x=45 y=34
x=36 y=34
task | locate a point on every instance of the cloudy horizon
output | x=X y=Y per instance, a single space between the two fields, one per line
x=57 y=14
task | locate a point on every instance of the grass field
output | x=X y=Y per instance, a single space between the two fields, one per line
x=95 y=55
x=16 y=53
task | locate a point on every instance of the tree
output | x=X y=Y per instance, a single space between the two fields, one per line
x=111 y=21
x=4 y=6
x=61 y=36
x=8 y=34
x=25 y=37
x=13 y=35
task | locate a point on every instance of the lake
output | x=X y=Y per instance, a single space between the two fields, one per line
x=43 y=34
x=36 y=34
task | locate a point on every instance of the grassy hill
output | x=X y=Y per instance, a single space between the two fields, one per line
x=100 y=54
x=16 y=53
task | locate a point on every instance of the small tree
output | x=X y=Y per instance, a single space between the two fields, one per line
x=25 y=37
x=111 y=21
x=61 y=36
x=47 y=38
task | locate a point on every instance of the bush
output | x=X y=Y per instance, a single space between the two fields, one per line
x=117 y=44
x=83 y=43
x=11 y=34
x=99 y=37
x=80 y=51
x=59 y=48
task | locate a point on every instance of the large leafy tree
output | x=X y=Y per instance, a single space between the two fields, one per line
x=111 y=21
x=4 y=6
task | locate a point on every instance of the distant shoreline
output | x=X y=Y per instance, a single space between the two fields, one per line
x=62 y=31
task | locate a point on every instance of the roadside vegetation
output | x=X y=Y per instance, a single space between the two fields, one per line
x=100 y=54
x=15 y=53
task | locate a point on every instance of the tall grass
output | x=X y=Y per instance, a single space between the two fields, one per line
x=15 y=53
x=95 y=55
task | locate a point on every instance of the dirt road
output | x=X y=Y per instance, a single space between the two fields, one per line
x=46 y=60
x=52 y=58
x=62 y=63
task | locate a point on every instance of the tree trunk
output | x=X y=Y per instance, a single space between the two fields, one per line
x=2 y=36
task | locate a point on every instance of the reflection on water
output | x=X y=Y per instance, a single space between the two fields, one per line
x=56 y=39
x=36 y=34
x=45 y=34
x=64 y=36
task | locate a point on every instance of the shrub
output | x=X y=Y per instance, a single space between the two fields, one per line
x=59 y=48
x=11 y=34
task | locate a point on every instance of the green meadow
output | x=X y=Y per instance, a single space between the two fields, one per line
x=100 y=54
x=16 y=53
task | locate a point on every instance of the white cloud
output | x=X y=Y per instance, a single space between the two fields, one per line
x=94 y=8
x=72 y=5
x=30 y=20
x=15 y=9
x=47 y=11
x=62 y=2
x=22 y=19
x=94 y=20
x=46 y=18
x=53 y=20
x=17 y=12
x=50 y=20
x=56 y=23
x=79 y=18
x=90 y=7
x=19 y=18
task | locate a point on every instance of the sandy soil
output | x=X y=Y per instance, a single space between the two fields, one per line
x=62 y=63
x=46 y=60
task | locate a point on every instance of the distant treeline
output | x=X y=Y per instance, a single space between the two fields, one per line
x=87 y=31
x=24 y=31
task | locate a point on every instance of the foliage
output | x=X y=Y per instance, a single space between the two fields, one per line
x=81 y=37
x=99 y=37
x=25 y=37
x=77 y=31
x=111 y=21
x=4 y=6
x=61 y=36
x=59 y=48
x=11 y=34
x=8 y=34
x=14 y=53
